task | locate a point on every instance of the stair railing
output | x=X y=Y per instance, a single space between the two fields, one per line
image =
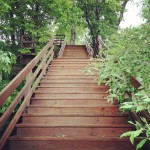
x=100 y=44
x=59 y=38
x=88 y=47
x=63 y=44
x=143 y=113
x=40 y=65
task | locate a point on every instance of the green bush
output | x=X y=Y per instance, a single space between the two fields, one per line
x=129 y=54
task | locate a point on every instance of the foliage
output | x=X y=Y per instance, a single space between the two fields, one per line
x=7 y=59
x=33 y=17
x=139 y=130
x=146 y=10
x=11 y=97
x=24 y=50
x=102 y=17
x=71 y=23
x=129 y=54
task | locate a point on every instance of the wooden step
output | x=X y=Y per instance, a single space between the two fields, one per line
x=73 y=120
x=65 y=60
x=69 y=143
x=71 y=90
x=74 y=72
x=71 y=81
x=74 y=56
x=65 y=73
x=68 y=81
x=72 y=130
x=75 y=53
x=64 y=85
x=61 y=142
x=67 y=91
x=70 y=77
x=83 y=65
x=71 y=96
x=67 y=67
x=72 y=61
x=79 y=57
x=70 y=103
x=78 y=111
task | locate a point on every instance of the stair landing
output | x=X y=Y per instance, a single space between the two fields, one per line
x=70 y=112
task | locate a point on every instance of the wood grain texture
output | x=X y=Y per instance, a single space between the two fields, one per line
x=69 y=111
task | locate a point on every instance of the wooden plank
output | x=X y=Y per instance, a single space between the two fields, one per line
x=134 y=82
x=145 y=114
x=71 y=103
x=75 y=55
x=71 y=131
x=74 y=81
x=72 y=63
x=66 y=125
x=68 y=85
x=82 y=60
x=70 y=143
x=65 y=73
x=70 y=138
x=67 y=67
x=74 y=120
x=72 y=90
x=74 y=126
x=94 y=111
x=71 y=96
x=94 y=77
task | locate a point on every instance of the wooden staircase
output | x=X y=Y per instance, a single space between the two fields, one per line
x=70 y=112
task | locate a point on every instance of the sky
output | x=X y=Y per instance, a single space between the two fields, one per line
x=132 y=14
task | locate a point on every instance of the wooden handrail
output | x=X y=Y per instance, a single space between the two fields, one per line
x=100 y=45
x=143 y=113
x=88 y=47
x=61 y=51
x=43 y=59
x=135 y=82
x=136 y=85
x=59 y=39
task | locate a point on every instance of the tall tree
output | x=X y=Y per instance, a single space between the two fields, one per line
x=72 y=22
x=102 y=17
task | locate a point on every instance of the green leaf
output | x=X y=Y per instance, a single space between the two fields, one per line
x=148 y=133
x=132 y=138
x=141 y=143
x=137 y=133
x=126 y=134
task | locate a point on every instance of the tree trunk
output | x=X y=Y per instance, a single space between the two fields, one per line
x=73 y=36
x=13 y=42
x=123 y=6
